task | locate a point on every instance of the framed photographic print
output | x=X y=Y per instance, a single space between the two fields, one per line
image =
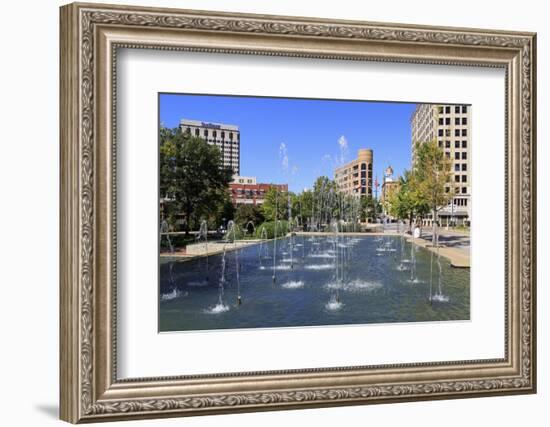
x=265 y=212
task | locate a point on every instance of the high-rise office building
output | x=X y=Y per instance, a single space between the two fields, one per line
x=450 y=126
x=225 y=137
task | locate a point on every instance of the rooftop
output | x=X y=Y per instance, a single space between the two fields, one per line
x=210 y=125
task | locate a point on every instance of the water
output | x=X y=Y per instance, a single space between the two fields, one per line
x=367 y=289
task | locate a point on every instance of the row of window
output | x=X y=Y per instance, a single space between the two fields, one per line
x=206 y=133
x=446 y=121
x=458 y=144
x=457 y=108
x=463 y=190
x=221 y=143
x=240 y=192
x=447 y=132
x=461 y=178
x=460 y=202
x=461 y=167
x=458 y=155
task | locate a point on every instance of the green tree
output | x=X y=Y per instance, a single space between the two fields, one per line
x=275 y=205
x=303 y=206
x=191 y=174
x=224 y=213
x=432 y=170
x=324 y=200
x=408 y=202
x=369 y=207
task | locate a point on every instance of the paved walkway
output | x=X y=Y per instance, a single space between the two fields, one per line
x=452 y=245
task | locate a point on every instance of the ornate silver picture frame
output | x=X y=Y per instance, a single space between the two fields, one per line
x=91 y=36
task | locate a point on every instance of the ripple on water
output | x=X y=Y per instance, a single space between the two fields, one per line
x=440 y=298
x=218 y=308
x=198 y=283
x=173 y=294
x=319 y=266
x=355 y=286
x=321 y=255
x=334 y=305
x=293 y=284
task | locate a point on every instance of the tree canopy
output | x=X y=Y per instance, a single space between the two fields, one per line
x=425 y=187
x=192 y=176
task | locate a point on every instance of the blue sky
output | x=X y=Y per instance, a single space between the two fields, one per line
x=317 y=135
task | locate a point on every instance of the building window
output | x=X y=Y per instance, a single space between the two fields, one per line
x=457 y=178
x=457 y=156
x=440 y=132
x=464 y=120
x=188 y=130
x=457 y=120
x=440 y=110
x=440 y=144
x=448 y=110
x=457 y=167
x=214 y=134
x=205 y=133
x=447 y=189
x=464 y=156
x=196 y=132
x=441 y=121
x=447 y=144
x=464 y=109
x=464 y=178
x=464 y=144
x=457 y=132
x=457 y=109
x=448 y=121
x=457 y=144
x=464 y=132
x=363 y=166
x=447 y=132
x=464 y=167
x=464 y=190
x=448 y=155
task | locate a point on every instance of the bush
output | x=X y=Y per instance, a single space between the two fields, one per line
x=269 y=227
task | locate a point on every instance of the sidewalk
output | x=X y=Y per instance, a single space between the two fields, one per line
x=458 y=255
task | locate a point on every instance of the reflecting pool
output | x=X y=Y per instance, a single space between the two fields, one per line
x=310 y=281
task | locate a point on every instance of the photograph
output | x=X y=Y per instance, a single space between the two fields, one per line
x=294 y=212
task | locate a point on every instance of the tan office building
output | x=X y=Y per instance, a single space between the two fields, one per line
x=355 y=177
x=226 y=137
x=450 y=126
